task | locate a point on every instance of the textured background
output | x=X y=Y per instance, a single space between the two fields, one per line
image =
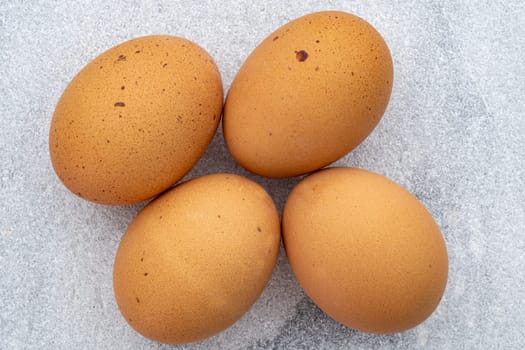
x=453 y=134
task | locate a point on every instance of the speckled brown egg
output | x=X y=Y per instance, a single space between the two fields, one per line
x=136 y=119
x=365 y=250
x=195 y=259
x=307 y=95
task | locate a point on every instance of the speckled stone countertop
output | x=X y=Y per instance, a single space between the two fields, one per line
x=453 y=134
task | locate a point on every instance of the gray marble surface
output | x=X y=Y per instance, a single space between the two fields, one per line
x=453 y=134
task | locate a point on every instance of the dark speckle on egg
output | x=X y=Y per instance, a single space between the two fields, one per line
x=301 y=55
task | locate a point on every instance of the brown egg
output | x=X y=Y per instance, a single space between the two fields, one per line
x=307 y=95
x=365 y=250
x=195 y=259
x=136 y=119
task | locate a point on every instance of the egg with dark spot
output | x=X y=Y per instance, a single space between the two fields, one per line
x=136 y=119
x=308 y=94
x=195 y=259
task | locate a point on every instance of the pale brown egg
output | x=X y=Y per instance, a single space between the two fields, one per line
x=195 y=259
x=136 y=119
x=308 y=94
x=365 y=250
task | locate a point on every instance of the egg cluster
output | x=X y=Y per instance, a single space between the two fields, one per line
x=138 y=117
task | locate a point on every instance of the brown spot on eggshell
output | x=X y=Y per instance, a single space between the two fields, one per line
x=301 y=55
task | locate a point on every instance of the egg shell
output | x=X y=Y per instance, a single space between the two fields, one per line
x=365 y=250
x=308 y=94
x=196 y=259
x=136 y=119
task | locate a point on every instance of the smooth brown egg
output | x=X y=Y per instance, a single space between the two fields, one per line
x=136 y=119
x=365 y=250
x=308 y=94
x=196 y=259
